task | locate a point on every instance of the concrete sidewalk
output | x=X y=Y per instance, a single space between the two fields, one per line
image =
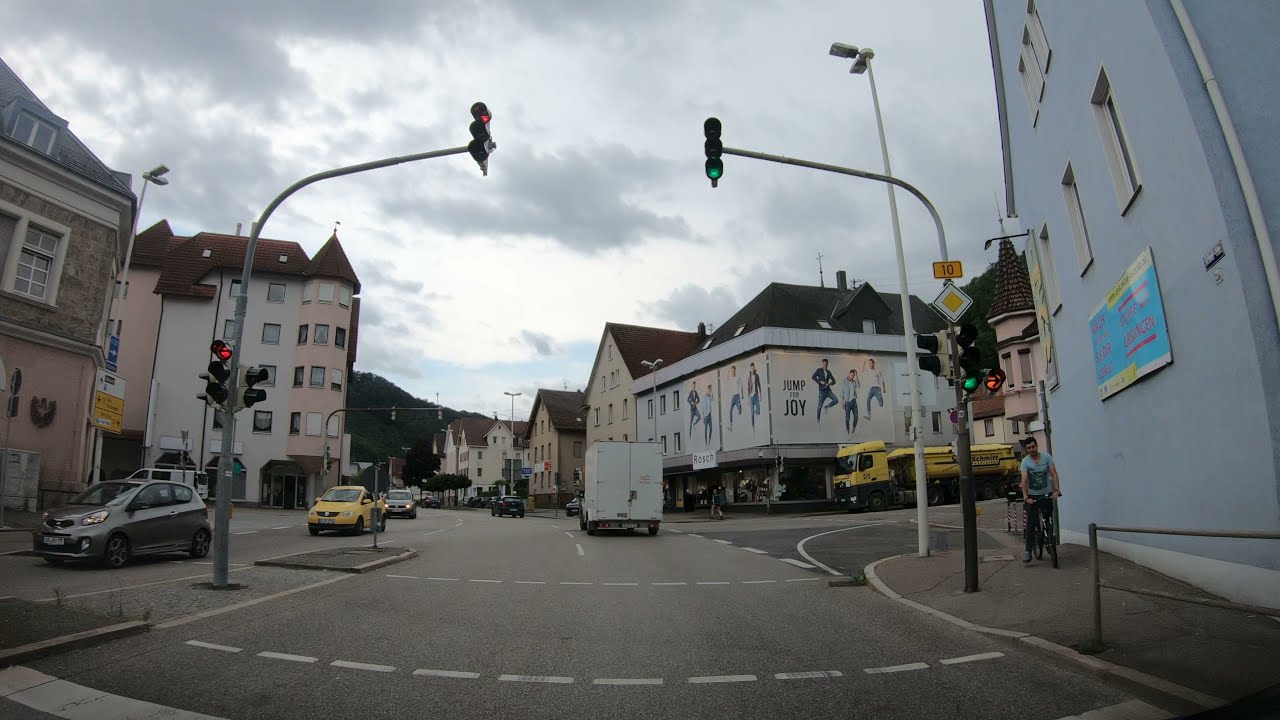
x=1219 y=653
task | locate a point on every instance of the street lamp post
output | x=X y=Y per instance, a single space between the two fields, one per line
x=510 y=471
x=653 y=370
x=862 y=63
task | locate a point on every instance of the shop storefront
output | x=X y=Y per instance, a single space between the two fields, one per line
x=751 y=481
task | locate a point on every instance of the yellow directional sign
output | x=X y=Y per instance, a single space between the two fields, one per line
x=948 y=270
x=108 y=402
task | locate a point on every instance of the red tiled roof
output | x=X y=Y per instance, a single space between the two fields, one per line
x=564 y=407
x=987 y=405
x=637 y=343
x=186 y=265
x=152 y=246
x=331 y=261
x=473 y=429
x=1013 y=284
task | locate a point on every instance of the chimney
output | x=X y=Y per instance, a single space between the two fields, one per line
x=842 y=282
x=238 y=226
x=702 y=330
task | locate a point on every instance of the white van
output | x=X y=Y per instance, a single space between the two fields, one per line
x=195 y=478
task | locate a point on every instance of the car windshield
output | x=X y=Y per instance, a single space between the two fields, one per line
x=399 y=495
x=341 y=495
x=107 y=493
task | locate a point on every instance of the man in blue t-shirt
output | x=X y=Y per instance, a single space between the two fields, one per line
x=1039 y=487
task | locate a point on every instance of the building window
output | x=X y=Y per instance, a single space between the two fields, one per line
x=344 y=296
x=1049 y=271
x=325 y=294
x=664 y=444
x=625 y=402
x=307 y=291
x=662 y=405
x=340 y=337
x=1013 y=426
x=675 y=401
x=38 y=134
x=479 y=472
x=262 y=421
x=122 y=290
x=233 y=289
x=824 y=324
x=989 y=427
x=313 y=423
x=270 y=333
x=275 y=292
x=333 y=426
x=1039 y=41
x=1032 y=76
x=299 y=372
x=36 y=264
x=317 y=376
x=610 y=413
x=322 y=335
x=906 y=421
x=479 y=455
x=1006 y=362
x=677 y=439
x=650 y=404
x=1075 y=213
x=1024 y=367
x=271 y=375
x=610 y=351
x=937 y=421
x=597 y=417
x=335 y=379
x=869 y=327
x=228 y=329
x=577 y=448
x=302 y=334
x=1115 y=143
x=295 y=423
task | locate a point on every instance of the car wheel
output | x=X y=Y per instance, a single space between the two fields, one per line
x=116 y=554
x=383 y=527
x=582 y=522
x=413 y=515
x=313 y=531
x=653 y=531
x=876 y=502
x=200 y=544
x=521 y=514
x=591 y=528
x=359 y=529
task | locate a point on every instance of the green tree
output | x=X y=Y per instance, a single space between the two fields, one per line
x=420 y=463
x=374 y=435
x=982 y=289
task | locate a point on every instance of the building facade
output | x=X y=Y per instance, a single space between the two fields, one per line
x=556 y=436
x=302 y=316
x=1140 y=156
x=65 y=222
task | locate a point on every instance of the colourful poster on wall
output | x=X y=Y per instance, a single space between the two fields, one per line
x=1130 y=338
x=744 y=404
x=1044 y=321
x=700 y=395
x=834 y=397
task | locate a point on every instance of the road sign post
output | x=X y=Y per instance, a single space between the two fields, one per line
x=11 y=409
x=964 y=461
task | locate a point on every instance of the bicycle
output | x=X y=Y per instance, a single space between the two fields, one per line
x=1042 y=527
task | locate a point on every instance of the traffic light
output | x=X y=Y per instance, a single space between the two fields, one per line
x=995 y=380
x=482 y=142
x=249 y=395
x=971 y=372
x=713 y=147
x=215 y=390
x=929 y=360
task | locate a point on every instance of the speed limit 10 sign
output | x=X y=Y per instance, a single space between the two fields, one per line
x=948 y=270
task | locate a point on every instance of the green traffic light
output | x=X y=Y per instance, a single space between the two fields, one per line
x=970 y=384
x=715 y=168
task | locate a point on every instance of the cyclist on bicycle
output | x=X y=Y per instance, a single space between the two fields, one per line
x=1039 y=486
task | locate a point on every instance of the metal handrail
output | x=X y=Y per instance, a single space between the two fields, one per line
x=1098 y=584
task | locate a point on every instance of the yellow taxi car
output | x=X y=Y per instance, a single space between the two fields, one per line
x=348 y=508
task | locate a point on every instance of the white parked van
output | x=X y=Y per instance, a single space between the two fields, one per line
x=195 y=478
x=622 y=487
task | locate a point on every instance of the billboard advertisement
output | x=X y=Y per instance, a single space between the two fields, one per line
x=700 y=395
x=744 y=405
x=831 y=397
x=1044 y=322
x=1130 y=338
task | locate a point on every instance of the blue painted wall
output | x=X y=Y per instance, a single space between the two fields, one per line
x=1195 y=444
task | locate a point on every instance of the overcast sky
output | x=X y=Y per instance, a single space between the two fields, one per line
x=596 y=207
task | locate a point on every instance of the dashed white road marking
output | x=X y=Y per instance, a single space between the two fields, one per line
x=803 y=579
x=530 y=582
x=798 y=564
x=406 y=577
x=693 y=535
x=723 y=542
x=362 y=666
x=675 y=530
x=896 y=668
x=972 y=658
x=211 y=646
x=439 y=578
x=566 y=532
x=722 y=679
x=757 y=582
x=758 y=552
x=621 y=584
x=483 y=581
x=555 y=526
x=433 y=532
x=574 y=583
x=287 y=656
x=712 y=582
x=627 y=681
x=536 y=679
x=245 y=532
x=670 y=583
x=581 y=552
x=808 y=675
x=447 y=673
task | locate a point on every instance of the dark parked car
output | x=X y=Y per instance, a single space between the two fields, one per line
x=508 y=505
x=400 y=504
x=114 y=521
x=430 y=503
x=573 y=508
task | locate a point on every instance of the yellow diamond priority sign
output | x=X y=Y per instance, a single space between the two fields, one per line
x=952 y=303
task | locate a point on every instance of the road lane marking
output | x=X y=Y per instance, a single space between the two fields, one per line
x=758 y=552
x=674 y=530
x=723 y=542
x=713 y=582
x=566 y=532
x=202 y=562
x=140 y=585
x=722 y=679
x=670 y=583
x=245 y=532
x=808 y=675
x=620 y=584
x=406 y=577
x=211 y=646
x=531 y=582
x=627 y=681
x=807 y=556
x=247 y=603
x=286 y=656
x=436 y=578
x=536 y=679
x=896 y=668
x=575 y=583
x=433 y=532
x=803 y=579
x=581 y=552
x=282 y=527
x=483 y=581
x=798 y=564
x=693 y=535
x=757 y=582
x=972 y=658
x=362 y=666
x=447 y=673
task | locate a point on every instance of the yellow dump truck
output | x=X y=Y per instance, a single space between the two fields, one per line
x=871 y=476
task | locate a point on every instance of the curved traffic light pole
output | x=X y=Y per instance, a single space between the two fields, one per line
x=222 y=513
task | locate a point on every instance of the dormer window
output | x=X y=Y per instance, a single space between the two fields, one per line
x=824 y=324
x=35 y=132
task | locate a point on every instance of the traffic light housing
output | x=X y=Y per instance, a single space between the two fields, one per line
x=250 y=395
x=928 y=359
x=713 y=148
x=970 y=360
x=994 y=380
x=481 y=141
x=216 y=391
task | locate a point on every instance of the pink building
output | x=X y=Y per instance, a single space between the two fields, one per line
x=1013 y=317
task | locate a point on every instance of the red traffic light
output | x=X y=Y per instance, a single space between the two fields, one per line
x=994 y=380
x=220 y=350
x=480 y=112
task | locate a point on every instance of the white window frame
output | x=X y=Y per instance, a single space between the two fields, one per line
x=610 y=413
x=344 y=296
x=625 y=403
x=1115 y=143
x=662 y=404
x=270 y=422
x=664 y=444
x=868 y=326
x=1048 y=270
x=308 y=289
x=325 y=289
x=314 y=422
x=279 y=330
x=1032 y=78
x=339 y=332
x=311 y=380
x=36 y=125
x=24 y=218
x=650 y=408
x=315 y=334
x=334 y=423
x=597 y=416
x=1034 y=28
x=1075 y=214
x=1026 y=368
x=335 y=379
x=284 y=292
x=295 y=421
x=228 y=329
x=677 y=443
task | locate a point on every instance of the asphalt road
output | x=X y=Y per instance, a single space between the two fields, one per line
x=525 y=617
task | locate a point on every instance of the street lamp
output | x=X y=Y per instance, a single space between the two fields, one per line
x=862 y=64
x=653 y=370
x=510 y=472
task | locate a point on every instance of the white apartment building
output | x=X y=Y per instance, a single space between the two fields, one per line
x=479 y=447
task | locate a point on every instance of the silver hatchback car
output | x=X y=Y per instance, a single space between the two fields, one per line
x=113 y=521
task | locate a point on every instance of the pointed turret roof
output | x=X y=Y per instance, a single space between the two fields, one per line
x=331 y=261
x=1013 y=284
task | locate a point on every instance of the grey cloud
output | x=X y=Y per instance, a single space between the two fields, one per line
x=690 y=304
x=387 y=358
x=542 y=343
x=373 y=274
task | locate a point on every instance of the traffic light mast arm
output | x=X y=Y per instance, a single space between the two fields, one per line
x=933 y=212
x=324 y=432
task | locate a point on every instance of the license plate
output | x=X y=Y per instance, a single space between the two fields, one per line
x=627 y=525
x=55 y=541
x=326 y=521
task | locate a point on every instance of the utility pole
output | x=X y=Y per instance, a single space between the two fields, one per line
x=968 y=508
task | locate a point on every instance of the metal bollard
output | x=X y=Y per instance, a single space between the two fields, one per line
x=1015 y=519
